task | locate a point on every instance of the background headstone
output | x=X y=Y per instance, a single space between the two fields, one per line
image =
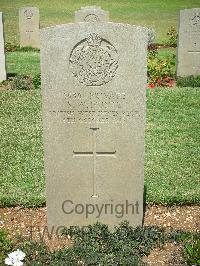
x=188 y=56
x=93 y=86
x=151 y=36
x=96 y=14
x=91 y=14
x=2 y=51
x=29 y=27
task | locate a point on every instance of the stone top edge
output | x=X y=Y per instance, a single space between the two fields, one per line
x=82 y=11
x=89 y=7
x=31 y=7
x=188 y=9
x=94 y=23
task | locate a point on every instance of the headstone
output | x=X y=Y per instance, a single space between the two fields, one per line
x=91 y=14
x=29 y=27
x=188 y=62
x=93 y=87
x=96 y=14
x=2 y=51
x=151 y=36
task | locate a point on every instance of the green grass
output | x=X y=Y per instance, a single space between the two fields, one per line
x=21 y=151
x=160 y=15
x=172 y=147
x=167 y=52
x=172 y=169
x=23 y=62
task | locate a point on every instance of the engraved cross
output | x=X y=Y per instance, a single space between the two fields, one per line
x=94 y=154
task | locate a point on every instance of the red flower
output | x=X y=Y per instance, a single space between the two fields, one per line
x=171 y=83
x=151 y=86
x=166 y=78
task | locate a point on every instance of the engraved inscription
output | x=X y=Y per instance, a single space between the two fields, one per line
x=195 y=20
x=92 y=116
x=95 y=100
x=91 y=18
x=28 y=14
x=96 y=107
x=194 y=43
x=94 y=61
x=94 y=154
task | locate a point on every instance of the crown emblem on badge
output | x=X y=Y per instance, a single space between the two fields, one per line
x=94 y=40
x=28 y=14
x=94 y=61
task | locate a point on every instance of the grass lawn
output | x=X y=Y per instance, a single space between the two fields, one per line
x=21 y=151
x=167 y=52
x=172 y=147
x=160 y=15
x=172 y=171
x=23 y=62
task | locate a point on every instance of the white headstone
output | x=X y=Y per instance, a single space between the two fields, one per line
x=94 y=80
x=91 y=14
x=2 y=51
x=29 y=27
x=188 y=62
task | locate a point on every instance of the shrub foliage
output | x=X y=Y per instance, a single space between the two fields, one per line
x=6 y=245
x=97 y=245
x=160 y=70
x=24 y=82
x=192 y=250
x=172 y=37
x=190 y=81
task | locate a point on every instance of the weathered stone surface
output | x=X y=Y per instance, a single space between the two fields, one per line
x=29 y=27
x=188 y=62
x=93 y=88
x=91 y=14
x=151 y=36
x=2 y=51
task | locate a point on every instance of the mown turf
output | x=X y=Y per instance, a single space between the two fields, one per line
x=172 y=147
x=172 y=170
x=23 y=62
x=160 y=15
x=167 y=52
x=21 y=151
